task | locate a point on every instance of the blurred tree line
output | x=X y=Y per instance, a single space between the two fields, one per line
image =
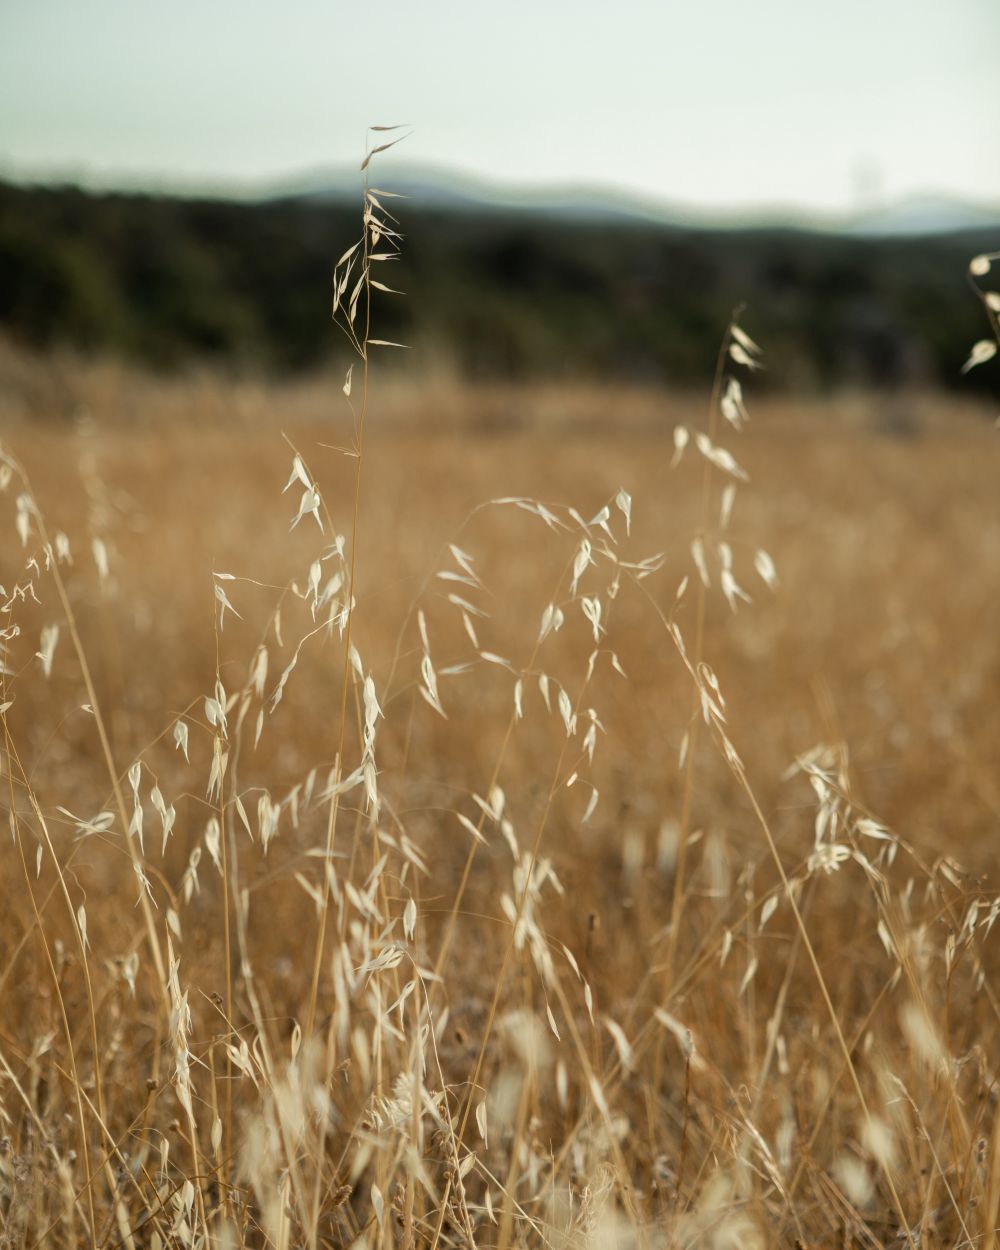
x=518 y=293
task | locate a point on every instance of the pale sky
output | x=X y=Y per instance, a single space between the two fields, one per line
x=828 y=105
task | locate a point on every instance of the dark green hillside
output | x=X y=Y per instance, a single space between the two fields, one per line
x=169 y=281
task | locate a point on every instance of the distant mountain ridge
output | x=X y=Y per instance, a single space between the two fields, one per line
x=433 y=187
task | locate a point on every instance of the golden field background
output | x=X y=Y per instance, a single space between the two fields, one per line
x=786 y=1124
x=885 y=546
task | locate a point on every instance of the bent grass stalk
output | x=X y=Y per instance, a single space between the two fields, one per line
x=694 y=722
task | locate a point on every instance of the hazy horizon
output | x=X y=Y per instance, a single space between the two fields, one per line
x=449 y=182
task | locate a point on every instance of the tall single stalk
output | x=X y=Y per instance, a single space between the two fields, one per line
x=374 y=228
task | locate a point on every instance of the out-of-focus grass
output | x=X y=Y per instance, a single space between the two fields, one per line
x=886 y=549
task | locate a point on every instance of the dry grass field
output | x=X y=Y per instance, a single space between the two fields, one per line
x=539 y=900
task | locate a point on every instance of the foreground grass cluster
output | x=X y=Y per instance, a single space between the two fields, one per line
x=388 y=869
